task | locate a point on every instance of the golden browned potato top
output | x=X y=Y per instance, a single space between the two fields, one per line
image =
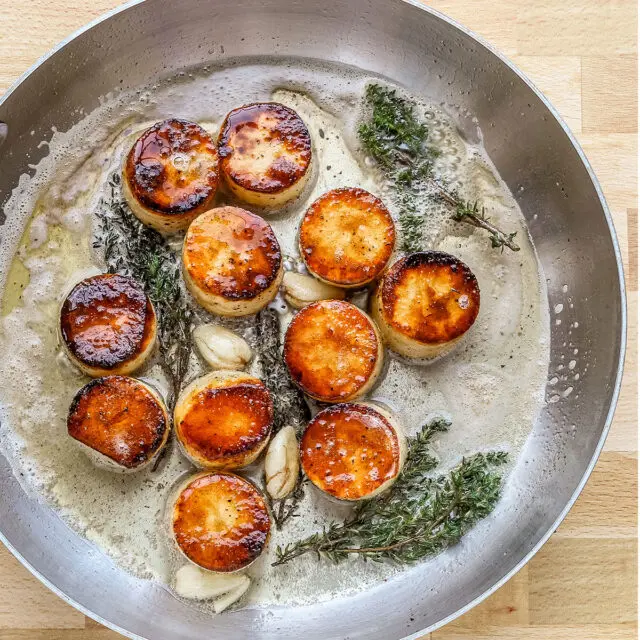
x=430 y=296
x=107 y=320
x=223 y=424
x=231 y=253
x=221 y=522
x=349 y=451
x=264 y=147
x=173 y=167
x=120 y=418
x=331 y=349
x=347 y=236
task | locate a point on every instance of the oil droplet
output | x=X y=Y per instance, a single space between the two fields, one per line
x=180 y=161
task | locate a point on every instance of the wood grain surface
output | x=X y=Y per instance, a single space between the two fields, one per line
x=583 y=584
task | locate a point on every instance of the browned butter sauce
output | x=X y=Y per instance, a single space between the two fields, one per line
x=491 y=386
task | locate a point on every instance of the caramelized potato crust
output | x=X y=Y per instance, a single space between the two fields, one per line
x=333 y=351
x=120 y=418
x=428 y=299
x=347 y=237
x=351 y=451
x=224 y=419
x=221 y=522
x=265 y=153
x=232 y=261
x=108 y=324
x=171 y=174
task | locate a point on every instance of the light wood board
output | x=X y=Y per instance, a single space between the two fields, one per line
x=583 y=584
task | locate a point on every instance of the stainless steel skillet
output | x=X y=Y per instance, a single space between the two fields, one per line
x=536 y=156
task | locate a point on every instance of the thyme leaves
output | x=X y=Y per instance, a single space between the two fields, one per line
x=419 y=516
x=132 y=249
x=288 y=508
x=393 y=136
x=396 y=139
x=471 y=213
x=397 y=142
x=289 y=404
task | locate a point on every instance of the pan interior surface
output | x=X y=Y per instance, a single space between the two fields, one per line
x=567 y=221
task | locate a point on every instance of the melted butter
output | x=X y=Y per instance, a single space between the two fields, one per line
x=17 y=280
x=491 y=386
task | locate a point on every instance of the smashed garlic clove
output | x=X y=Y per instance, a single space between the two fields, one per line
x=301 y=290
x=221 y=348
x=282 y=464
x=222 y=603
x=197 y=584
x=360 y=299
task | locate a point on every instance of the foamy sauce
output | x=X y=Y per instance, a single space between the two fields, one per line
x=492 y=386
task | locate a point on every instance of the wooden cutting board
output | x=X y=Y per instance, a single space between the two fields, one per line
x=583 y=584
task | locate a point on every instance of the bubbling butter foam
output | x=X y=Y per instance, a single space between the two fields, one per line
x=492 y=386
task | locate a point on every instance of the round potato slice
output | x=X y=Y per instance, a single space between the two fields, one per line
x=232 y=262
x=108 y=325
x=171 y=174
x=265 y=154
x=220 y=521
x=425 y=303
x=121 y=422
x=333 y=351
x=347 y=237
x=353 y=451
x=224 y=419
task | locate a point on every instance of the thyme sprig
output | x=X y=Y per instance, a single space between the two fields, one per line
x=289 y=405
x=419 y=516
x=288 y=508
x=131 y=248
x=393 y=135
x=472 y=213
x=398 y=142
x=395 y=139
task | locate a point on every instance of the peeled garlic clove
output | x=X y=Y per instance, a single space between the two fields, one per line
x=301 y=290
x=220 y=604
x=282 y=463
x=221 y=348
x=197 y=584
